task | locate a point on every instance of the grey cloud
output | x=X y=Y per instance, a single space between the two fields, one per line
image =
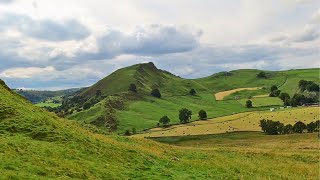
x=44 y=29
x=310 y=33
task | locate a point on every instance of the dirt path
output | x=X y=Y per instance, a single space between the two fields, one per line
x=220 y=95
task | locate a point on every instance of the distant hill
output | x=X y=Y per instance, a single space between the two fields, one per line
x=119 y=109
x=146 y=77
x=37 y=96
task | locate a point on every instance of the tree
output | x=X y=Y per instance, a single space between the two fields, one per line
x=303 y=84
x=133 y=88
x=86 y=105
x=284 y=96
x=156 y=93
x=192 y=92
x=312 y=87
x=272 y=127
x=287 y=129
x=249 y=104
x=262 y=75
x=298 y=99
x=164 y=120
x=275 y=93
x=299 y=127
x=311 y=127
x=202 y=114
x=184 y=115
x=273 y=88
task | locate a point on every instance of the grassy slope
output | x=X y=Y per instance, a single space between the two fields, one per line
x=35 y=144
x=145 y=112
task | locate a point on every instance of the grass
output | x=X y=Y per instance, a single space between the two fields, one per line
x=263 y=101
x=48 y=104
x=146 y=113
x=221 y=95
x=248 y=121
x=35 y=144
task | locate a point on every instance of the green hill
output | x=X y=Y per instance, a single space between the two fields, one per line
x=121 y=110
x=36 y=144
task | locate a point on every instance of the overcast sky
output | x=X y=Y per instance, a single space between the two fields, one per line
x=59 y=44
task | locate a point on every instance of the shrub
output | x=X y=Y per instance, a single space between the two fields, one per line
x=202 y=114
x=156 y=93
x=127 y=133
x=273 y=88
x=249 y=104
x=133 y=88
x=192 y=92
x=164 y=120
x=299 y=127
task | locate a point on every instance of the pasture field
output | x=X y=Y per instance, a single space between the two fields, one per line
x=146 y=113
x=248 y=121
x=221 y=95
x=263 y=101
x=48 y=104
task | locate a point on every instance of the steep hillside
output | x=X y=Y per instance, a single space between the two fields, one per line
x=35 y=144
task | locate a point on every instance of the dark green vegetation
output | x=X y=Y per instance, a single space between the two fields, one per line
x=123 y=100
x=275 y=127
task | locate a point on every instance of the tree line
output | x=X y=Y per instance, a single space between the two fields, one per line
x=275 y=127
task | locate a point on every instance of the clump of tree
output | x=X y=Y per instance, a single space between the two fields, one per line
x=156 y=93
x=192 y=92
x=185 y=115
x=165 y=120
x=262 y=75
x=249 y=104
x=202 y=115
x=308 y=85
x=275 y=127
x=274 y=91
x=133 y=88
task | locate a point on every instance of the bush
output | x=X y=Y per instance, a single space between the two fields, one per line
x=275 y=93
x=273 y=88
x=262 y=75
x=156 y=93
x=164 y=120
x=249 y=104
x=184 y=115
x=299 y=127
x=133 y=88
x=192 y=92
x=284 y=96
x=134 y=131
x=202 y=114
x=127 y=133
x=86 y=105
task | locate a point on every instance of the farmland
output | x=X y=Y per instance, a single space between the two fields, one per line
x=248 y=121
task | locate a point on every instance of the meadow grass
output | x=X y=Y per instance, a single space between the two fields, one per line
x=248 y=121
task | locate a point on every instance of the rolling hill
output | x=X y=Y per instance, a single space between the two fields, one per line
x=36 y=144
x=119 y=109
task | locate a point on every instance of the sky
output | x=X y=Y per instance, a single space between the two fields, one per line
x=51 y=45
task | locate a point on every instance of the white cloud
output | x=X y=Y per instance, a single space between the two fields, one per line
x=25 y=72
